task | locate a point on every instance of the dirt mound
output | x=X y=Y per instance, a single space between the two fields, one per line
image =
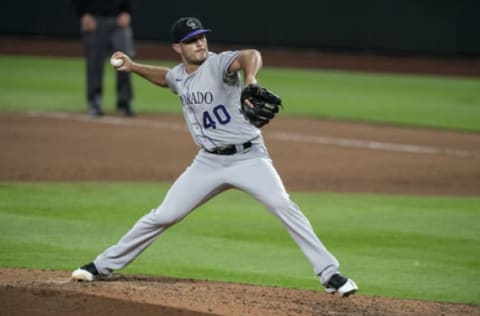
x=48 y=302
x=35 y=292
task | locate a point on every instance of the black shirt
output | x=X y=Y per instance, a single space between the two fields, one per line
x=102 y=8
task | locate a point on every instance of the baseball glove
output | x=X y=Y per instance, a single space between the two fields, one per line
x=265 y=104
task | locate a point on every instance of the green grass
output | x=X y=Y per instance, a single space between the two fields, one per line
x=58 y=84
x=418 y=100
x=387 y=98
x=398 y=246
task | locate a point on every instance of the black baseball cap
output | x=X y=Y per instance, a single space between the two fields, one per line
x=187 y=27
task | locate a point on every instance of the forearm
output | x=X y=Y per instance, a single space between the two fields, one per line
x=252 y=66
x=155 y=74
x=250 y=62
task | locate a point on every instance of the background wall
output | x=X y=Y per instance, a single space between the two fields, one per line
x=447 y=27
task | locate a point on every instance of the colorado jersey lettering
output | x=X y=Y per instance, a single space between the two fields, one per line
x=212 y=112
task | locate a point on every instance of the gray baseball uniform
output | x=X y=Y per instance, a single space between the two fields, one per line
x=210 y=98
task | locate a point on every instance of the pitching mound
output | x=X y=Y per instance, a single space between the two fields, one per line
x=34 y=292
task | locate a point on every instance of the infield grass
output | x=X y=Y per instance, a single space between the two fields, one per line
x=58 y=84
x=397 y=246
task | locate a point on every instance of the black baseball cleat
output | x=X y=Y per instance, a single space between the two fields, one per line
x=341 y=285
x=125 y=108
x=95 y=111
x=87 y=273
x=128 y=112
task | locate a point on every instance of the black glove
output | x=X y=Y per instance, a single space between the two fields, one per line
x=265 y=104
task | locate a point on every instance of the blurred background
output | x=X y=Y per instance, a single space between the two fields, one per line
x=442 y=27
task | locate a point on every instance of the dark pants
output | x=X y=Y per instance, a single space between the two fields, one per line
x=100 y=44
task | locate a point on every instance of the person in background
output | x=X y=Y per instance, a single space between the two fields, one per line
x=106 y=27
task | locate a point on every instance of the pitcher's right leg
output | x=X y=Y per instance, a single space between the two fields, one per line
x=191 y=189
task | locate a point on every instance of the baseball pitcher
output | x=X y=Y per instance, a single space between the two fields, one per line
x=224 y=115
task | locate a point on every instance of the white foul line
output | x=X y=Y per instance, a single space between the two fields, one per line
x=282 y=136
x=374 y=145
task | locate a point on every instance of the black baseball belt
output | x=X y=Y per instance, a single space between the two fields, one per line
x=229 y=149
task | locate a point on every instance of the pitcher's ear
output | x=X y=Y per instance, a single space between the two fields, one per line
x=176 y=48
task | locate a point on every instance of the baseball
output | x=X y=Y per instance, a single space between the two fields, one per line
x=116 y=62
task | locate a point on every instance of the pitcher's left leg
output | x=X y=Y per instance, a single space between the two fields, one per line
x=268 y=188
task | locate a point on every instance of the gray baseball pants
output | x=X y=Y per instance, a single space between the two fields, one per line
x=251 y=171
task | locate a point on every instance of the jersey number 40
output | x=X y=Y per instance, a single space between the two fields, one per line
x=220 y=115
